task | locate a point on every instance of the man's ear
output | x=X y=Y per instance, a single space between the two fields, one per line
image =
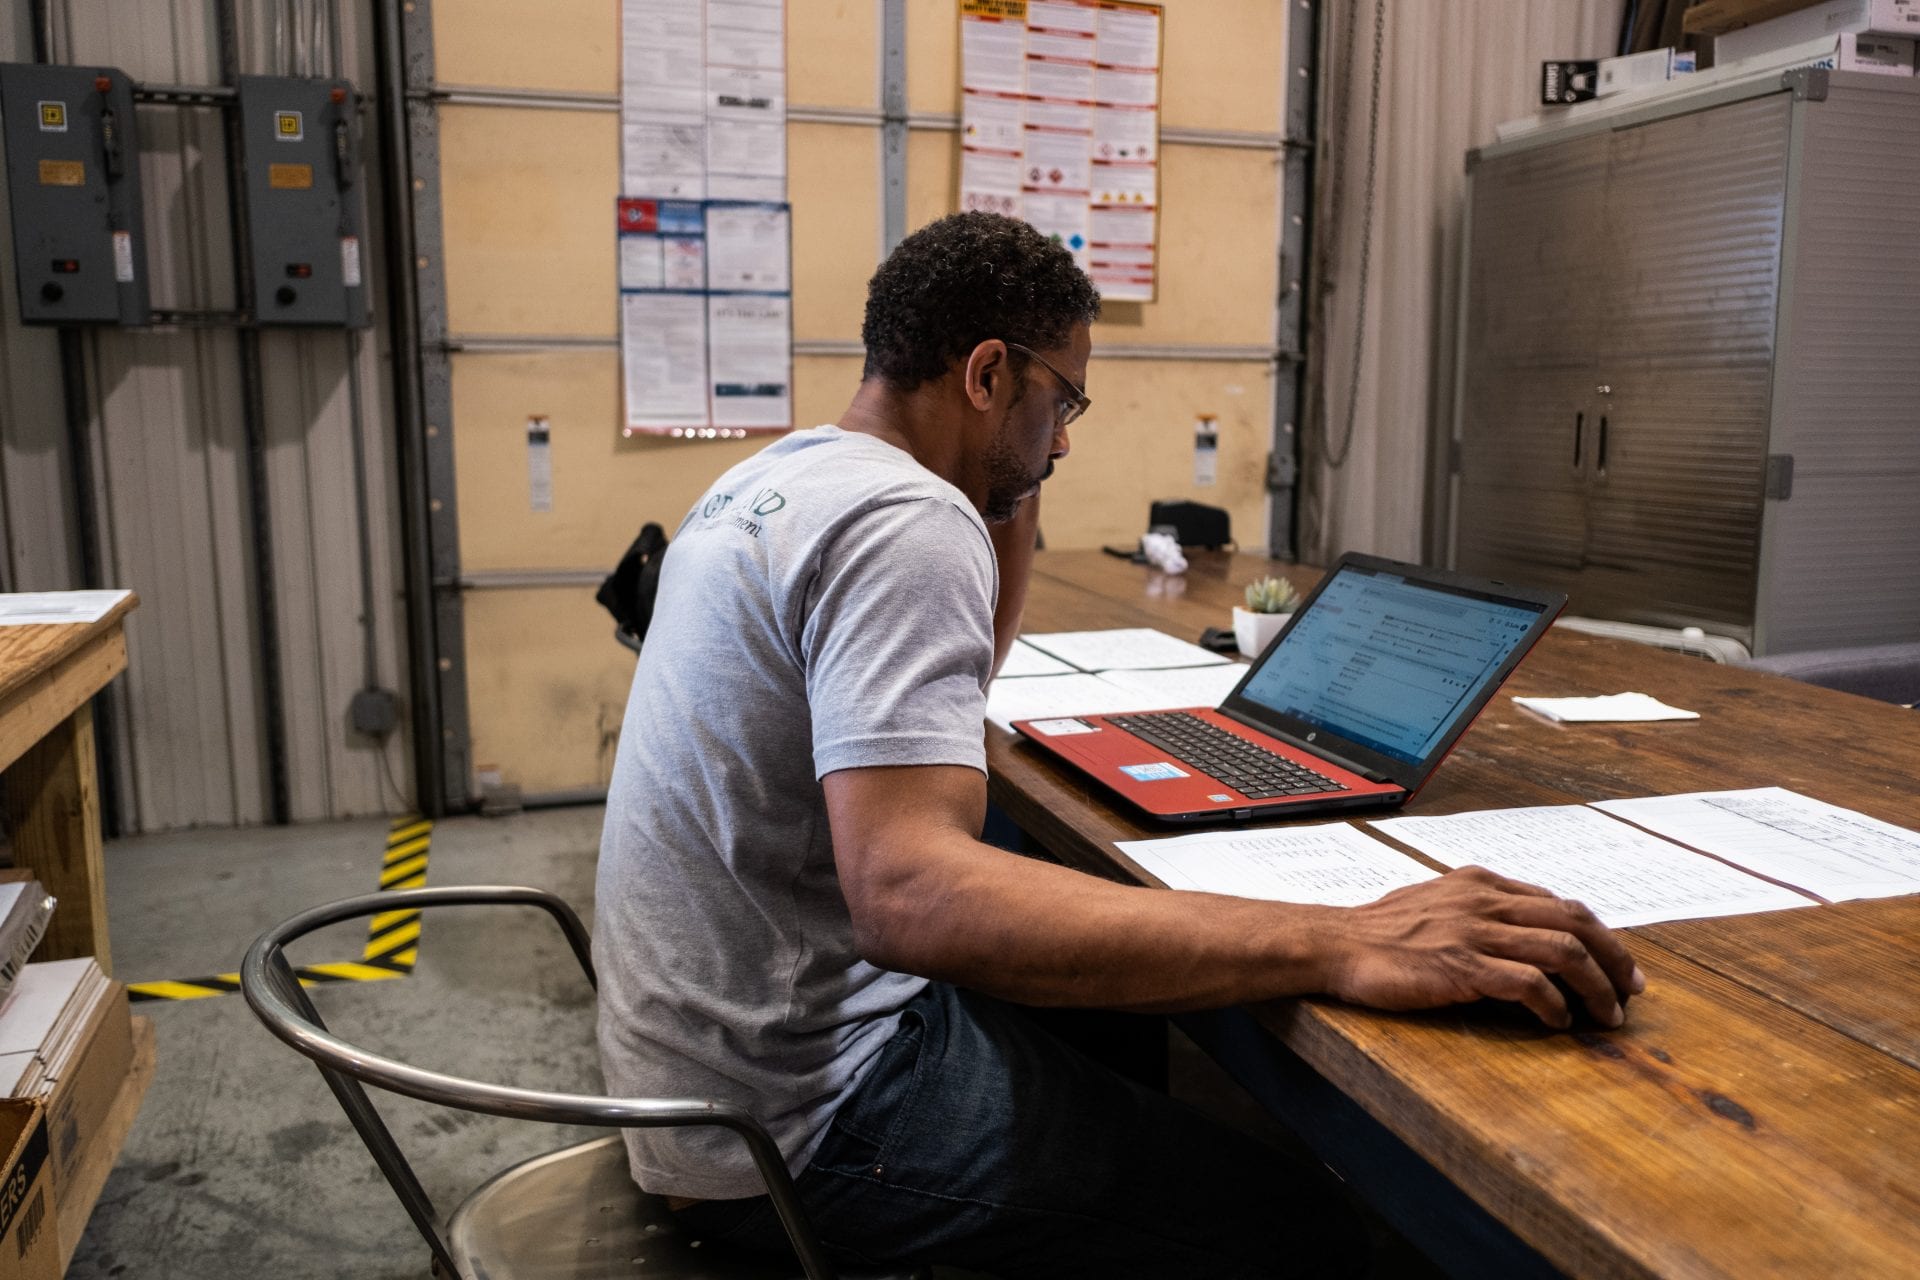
x=985 y=373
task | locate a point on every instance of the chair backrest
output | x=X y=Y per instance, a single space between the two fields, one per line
x=274 y=992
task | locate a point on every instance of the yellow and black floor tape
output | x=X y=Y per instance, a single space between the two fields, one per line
x=393 y=937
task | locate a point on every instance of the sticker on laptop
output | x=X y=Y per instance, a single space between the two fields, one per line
x=1060 y=728
x=1157 y=772
x=1221 y=799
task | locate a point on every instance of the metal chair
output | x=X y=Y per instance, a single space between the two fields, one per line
x=573 y=1213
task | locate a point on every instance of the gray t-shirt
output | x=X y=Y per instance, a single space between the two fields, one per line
x=827 y=605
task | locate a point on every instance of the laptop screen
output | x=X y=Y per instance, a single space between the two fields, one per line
x=1389 y=664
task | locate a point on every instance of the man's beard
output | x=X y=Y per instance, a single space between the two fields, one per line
x=1008 y=481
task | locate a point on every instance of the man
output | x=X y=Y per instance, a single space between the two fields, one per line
x=795 y=914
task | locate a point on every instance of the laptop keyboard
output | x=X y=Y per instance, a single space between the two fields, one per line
x=1253 y=771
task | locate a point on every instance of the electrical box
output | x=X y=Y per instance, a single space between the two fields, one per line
x=300 y=141
x=79 y=248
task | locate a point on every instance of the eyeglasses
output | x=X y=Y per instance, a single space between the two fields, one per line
x=1070 y=409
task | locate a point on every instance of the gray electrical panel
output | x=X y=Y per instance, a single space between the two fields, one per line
x=300 y=140
x=73 y=176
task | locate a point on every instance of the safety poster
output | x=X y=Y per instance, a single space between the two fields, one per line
x=704 y=229
x=1060 y=125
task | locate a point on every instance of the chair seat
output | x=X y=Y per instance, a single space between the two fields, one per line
x=575 y=1214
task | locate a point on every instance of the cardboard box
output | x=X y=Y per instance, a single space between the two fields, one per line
x=1848 y=51
x=79 y=1103
x=1711 y=17
x=29 y=1249
x=1821 y=21
x=1641 y=70
x=86 y=1176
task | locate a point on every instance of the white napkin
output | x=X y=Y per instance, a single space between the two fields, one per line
x=1614 y=706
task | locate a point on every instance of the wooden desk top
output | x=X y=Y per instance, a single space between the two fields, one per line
x=1760 y=1112
x=34 y=650
x=48 y=671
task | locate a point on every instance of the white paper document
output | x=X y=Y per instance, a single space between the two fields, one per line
x=36 y=608
x=1330 y=865
x=1024 y=660
x=663 y=340
x=1129 y=649
x=1612 y=707
x=1042 y=697
x=750 y=352
x=1110 y=693
x=1624 y=875
x=747 y=248
x=1821 y=848
x=1180 y=686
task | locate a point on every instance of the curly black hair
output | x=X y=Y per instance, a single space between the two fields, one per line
x=957 y=282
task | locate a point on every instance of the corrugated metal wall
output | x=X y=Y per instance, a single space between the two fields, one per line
x=169 y=458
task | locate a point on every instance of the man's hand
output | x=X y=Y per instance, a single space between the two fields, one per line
x=1472 y=934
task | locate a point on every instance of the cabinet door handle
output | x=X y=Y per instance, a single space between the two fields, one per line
x=1579 y=427
x=1600 y=452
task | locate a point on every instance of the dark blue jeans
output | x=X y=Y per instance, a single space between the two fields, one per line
x=979 y=1141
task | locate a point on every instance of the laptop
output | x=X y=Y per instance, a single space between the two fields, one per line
x=1352 y=706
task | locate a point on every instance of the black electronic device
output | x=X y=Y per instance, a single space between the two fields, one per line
x=300 y=139
x=79 y=248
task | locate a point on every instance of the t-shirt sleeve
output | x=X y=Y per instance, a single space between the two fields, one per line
x=899 y=643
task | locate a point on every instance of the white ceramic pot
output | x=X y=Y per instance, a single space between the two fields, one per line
x=1253 y=632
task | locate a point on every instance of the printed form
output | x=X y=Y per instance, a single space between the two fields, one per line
x=1127 y=648
x=1329 y=865
x=1624 y=875
x=1821 y=848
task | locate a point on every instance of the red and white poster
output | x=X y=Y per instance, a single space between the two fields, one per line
x=1060 y=125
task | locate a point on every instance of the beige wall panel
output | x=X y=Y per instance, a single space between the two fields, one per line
x=833 y=179
x=529 y=219
x=1222 y=59
x=546 y=687
x=833 y=53
x=1136 y=445
x=833 y=47
x=1219 y=250
x=1224 y=62
x=933 y=175
x=553 y=44
x=933 y=57
x=1218 y=244
x=605 y=486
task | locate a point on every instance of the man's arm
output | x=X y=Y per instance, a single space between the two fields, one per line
x=927 y=898
x=1013 y=546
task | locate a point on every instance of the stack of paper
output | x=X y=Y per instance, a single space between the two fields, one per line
x=1074 y=673
x=1723 y=853
x=43 y=1024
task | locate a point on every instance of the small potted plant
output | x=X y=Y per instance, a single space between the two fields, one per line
x=1270 y=603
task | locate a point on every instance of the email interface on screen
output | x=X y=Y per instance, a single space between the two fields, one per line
x=1388 y=664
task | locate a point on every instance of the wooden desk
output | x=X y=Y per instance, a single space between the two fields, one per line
x=1759 y=1115
x=47 y=676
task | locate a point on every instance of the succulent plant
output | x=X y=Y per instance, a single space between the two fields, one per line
x=1272 y=595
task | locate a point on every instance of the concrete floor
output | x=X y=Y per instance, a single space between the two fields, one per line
x=241 y=1164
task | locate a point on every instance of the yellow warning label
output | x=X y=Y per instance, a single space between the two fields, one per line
x=287 y=126
x=290 y=177
x=1011 y=9
x=63 y=173
x=53 y=116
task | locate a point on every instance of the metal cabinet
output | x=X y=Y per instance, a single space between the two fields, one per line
x=1638 y=318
